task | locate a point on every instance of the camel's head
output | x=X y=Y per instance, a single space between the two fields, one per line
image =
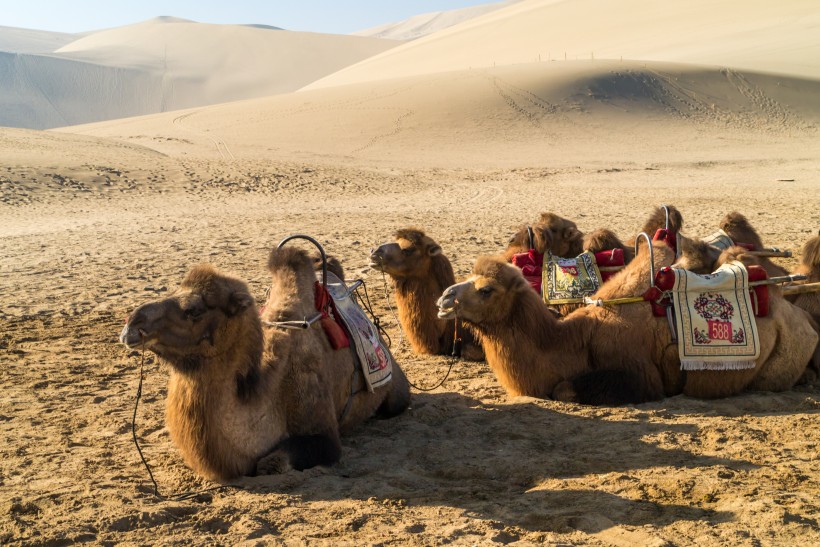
x=488 y=296
x=696 y=255
x=659 y=217
x=738 y=228
x=411 y=255
x=551 y=233
x=602 y=240
x=810 y=258
x=197 y=321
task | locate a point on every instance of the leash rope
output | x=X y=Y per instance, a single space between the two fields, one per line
x=456 y=340
x=184 y=496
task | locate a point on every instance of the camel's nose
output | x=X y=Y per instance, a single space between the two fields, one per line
x=131 y=332
x=447 y=297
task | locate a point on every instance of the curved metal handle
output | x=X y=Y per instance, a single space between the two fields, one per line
x=666 y=210
x=531 y=237
x=318 y=246
x=651 y=255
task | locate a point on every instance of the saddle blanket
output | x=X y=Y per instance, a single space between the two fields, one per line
x=719 y=240
x=371 y=352
x=566 y=279
x=715 y=319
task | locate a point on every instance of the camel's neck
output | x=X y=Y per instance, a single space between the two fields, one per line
x=220 y=415
x=531 y=351
x=416 y=300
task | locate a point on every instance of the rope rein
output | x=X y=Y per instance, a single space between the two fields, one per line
x=183 y=496
x=456 y=341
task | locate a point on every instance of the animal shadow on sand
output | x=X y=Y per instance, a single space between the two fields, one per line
x=489 y=460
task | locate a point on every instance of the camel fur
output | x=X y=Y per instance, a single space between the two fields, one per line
x=810 y=267
x=738 y=228
x=419 y=272
x=239 y=391
x=601 y=355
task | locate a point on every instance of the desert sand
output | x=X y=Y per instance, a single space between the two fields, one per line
x=98 y=219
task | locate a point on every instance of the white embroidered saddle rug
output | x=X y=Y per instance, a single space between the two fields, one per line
x=715 y=319
x=719 y=240
x=371 y=352
x=566 y=279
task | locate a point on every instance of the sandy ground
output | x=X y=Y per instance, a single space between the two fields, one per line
x=92 y=228
x=99 y=219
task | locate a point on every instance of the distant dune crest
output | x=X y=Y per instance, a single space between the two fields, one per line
x=168 y=63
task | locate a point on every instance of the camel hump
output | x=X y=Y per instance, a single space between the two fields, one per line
x=811 y=253
x=291 y=258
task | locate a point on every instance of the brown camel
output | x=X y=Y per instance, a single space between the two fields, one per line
x=622 y=354
x=239 y=392
x=552 y=233
x=420 y=271
x=810 y=266
x=738 y=228
x=562 y=238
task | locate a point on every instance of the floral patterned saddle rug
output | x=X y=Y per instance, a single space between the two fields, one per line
x=567 y=279
x=715 y=320
x=370 y=350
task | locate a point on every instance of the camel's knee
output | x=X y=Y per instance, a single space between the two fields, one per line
x=613 y=387
x=565 y=392
x=398 y=395
x=304 y=451
x=472 y=352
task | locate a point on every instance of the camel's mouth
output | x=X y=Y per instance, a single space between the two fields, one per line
x=446 y=313
x=447 y=306
x=132 y=338
x=376 y=264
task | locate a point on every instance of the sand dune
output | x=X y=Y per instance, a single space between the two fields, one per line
x=535 y=114
x=762 y=36
x=20 y=40
x=428 y=23
x=165 y=64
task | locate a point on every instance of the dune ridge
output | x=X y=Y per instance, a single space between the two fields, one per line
x=164 y=64
x=763 y=37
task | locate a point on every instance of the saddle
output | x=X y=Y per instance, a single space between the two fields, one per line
x=713 y=315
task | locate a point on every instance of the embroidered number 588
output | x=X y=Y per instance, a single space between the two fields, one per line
x=720 y=330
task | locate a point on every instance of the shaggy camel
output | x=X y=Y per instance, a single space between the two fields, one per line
x=623 y=354
x=239 y=392
x=420 y=271
x=562 y=238
x=738 y=228
x=810 y=266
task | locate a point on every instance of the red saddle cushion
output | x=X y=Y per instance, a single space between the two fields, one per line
x=530 y=263
x=610 y=262
x=334 y=330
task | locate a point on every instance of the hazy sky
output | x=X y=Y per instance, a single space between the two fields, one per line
x=331 y=16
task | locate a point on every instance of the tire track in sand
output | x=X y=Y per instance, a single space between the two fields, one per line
x=220 y=144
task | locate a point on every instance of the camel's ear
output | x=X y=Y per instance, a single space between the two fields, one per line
x=238 y=302
x=434 y=250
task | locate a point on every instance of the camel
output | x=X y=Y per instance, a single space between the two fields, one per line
x=420 y=271
x=610 y=355
x=810 y=267
x=240 y=395
x=738 y=228
x=562 y=238
x=552 y=233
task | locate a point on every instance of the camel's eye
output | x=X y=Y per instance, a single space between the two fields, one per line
x=194 y=312
x=408 y=251
x=485 y=291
